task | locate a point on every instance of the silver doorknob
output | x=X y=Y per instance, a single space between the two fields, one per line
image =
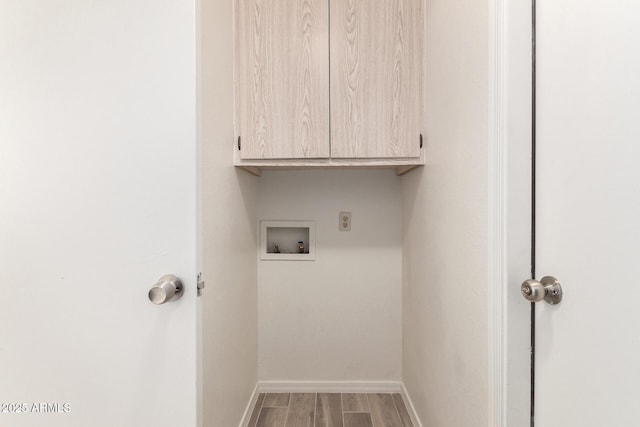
x=548 y=289
x=169 y=288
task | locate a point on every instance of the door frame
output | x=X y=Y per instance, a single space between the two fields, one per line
x=509 y=211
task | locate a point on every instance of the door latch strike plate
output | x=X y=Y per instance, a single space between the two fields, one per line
x=200 y=285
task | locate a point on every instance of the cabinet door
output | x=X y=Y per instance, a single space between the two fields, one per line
x=282 y=78
x=376 y=78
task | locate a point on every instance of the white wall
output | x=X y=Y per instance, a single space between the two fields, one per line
x=337 y=318
x=229 y=310
x=445 y=222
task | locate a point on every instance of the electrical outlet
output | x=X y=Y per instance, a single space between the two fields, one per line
x=344 y=221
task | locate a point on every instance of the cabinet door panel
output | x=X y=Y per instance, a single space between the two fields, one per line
x=283 y=78
x=376 y=78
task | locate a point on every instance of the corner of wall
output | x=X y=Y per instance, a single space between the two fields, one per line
x=445 y=234
x=229 y=301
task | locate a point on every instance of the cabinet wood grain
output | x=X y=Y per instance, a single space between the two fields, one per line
x=282 y=78
x=376 y=78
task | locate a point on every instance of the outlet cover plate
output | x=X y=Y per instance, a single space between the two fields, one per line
x=344 y=221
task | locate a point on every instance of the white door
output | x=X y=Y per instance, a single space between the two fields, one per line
x=97 y=201
x=588 y=212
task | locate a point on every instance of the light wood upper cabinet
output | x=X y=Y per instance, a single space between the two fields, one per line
x=329 y=83
x=376 y=78
x=282 y=78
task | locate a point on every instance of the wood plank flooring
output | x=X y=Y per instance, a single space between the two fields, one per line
x=330 y=410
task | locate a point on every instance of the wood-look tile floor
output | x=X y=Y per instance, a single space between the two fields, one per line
x=330 y=410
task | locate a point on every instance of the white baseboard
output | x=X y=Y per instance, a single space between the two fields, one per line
x=410 y=408
x=330 y=386
x=244 y=422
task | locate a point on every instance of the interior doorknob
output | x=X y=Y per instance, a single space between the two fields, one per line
x=169 y=288
x=548 y=289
